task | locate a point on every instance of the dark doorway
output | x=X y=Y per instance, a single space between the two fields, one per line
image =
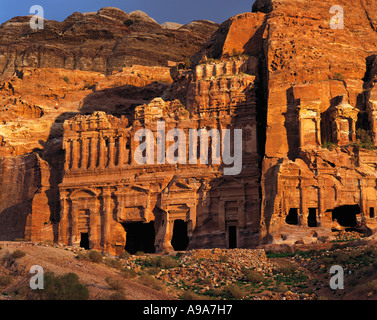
x=292 y=217
x=371 y=212
x=180 y=239
x=84 y=243
x=346 y=215
x=232 y=237
x=140 y=237
x=312 y=218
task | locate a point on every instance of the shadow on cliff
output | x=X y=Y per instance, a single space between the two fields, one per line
x=121 y=100
x=290 y=124
x=115 y=101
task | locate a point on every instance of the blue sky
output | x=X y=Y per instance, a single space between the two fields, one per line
x=182 y=11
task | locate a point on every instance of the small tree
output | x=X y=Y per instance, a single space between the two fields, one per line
x=65 y=287
x=364 y=139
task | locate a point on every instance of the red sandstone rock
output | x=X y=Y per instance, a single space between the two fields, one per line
x=298 y=89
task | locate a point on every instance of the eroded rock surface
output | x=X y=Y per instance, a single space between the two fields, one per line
x=302 y=92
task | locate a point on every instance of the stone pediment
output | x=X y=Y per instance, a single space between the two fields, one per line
x=181 y=185
x=132 y=189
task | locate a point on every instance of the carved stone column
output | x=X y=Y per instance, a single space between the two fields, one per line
x=106 y=195
x=363 y=208
x=111 y=152
x=121 y=151
x=102 y=153
x=304 y=212
x=67 y=148
x=93 y=152
x=75 y=154
x=85 y=153
x=321 y=205
x=63 y=223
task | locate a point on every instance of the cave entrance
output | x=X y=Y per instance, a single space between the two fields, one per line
x=84 y=243
x=346 y=215
x=312 y=217
x=180 y=239
x=232 y=237
x=292 y=217
x=140 y=237
x=371 y=212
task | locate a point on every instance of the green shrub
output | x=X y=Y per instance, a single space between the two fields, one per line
x=152 y=282
x=118 y=296
x=224 y=258
x=113 y=263
x=18 y=254
x=368 y=287
x=161 y=262
x=82 y=257
x=227 y=273
x=95 y=256
x=153 y=270
x=281 y=287
x=124 y=255
x=114 y=284
x=235 y=292
x=253 y=276
x=364 y=139
x=288 y=269
x=64 y=287
x=128 y=273
x=66 y=79
x=190 y=295
x=329 y=145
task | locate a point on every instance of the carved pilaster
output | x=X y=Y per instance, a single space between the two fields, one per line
x=75 y=154
x=93 y=152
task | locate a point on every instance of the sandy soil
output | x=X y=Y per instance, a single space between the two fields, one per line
x=61 y=260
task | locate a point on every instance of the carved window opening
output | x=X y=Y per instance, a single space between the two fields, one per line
x=312 y=217
x=292 y=217
x=140 y=237
x=371 y=212
x=180 y=239
x=346 y=216
x=84 y=243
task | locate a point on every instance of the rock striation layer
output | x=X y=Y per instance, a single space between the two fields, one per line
x=302 y=93
x=103 y=41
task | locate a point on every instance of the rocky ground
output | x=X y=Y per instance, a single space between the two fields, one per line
x=199 y=274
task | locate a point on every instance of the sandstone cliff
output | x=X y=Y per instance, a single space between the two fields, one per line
x=302 y=92
x=105 y=41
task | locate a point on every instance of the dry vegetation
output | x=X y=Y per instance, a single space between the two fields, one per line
x=80 y=275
